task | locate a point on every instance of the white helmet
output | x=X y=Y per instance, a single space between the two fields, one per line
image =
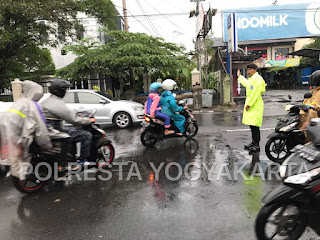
x=169 y=84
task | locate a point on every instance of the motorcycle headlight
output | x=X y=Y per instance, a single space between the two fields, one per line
x=287 y=107
x=303 y=177
x=284 y=166
x=289 y=127
x=138 y=108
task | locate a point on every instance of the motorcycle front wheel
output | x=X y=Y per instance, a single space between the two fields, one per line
x=147 y=138
x=191 y=130
x=285 y=221
x=276 y=149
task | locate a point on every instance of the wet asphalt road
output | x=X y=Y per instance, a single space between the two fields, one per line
x=136 y=203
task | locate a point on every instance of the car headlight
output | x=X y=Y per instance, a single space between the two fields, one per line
x=289 y=127
x=138 y=108
x=303 y=177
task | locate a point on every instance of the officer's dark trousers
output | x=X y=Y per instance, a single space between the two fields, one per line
x=255 y=131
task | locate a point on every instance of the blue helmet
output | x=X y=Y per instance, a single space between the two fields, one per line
x=154 y=86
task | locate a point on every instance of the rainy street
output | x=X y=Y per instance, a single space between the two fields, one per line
x=181 y=189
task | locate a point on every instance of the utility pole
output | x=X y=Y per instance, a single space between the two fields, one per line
x=200 y=43
x=124 y=6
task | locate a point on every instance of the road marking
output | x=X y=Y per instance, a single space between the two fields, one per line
x=243 y=130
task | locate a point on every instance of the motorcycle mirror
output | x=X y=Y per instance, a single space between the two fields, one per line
x=181 y=102
x=307 y=95
x=94 y=111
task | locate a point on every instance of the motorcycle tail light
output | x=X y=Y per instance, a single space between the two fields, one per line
x=147 y=119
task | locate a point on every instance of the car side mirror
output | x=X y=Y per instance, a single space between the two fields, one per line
x=102 y=101
x=307 y=95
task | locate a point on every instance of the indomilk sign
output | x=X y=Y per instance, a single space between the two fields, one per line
x=277 y=21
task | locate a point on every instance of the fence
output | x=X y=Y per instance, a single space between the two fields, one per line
x=6 y=95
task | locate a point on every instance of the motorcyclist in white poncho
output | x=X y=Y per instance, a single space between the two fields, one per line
x=20 y=126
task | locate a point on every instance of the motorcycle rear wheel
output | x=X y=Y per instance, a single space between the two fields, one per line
x=276 y=149
x=147 y=139
x=28 y=186
x=287 y=218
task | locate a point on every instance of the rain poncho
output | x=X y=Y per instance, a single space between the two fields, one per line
x=170 y=108
x=56 y=112
x=255 y=86
x=20 y=125
x=306 y=116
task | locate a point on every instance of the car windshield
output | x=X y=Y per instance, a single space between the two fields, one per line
x=108 y=96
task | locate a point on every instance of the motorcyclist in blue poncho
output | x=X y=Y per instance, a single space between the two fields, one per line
x=170 y=107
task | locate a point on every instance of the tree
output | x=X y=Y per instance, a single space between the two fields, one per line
x=123 y=56
x=28 y=25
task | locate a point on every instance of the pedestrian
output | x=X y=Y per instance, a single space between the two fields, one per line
x=253 y=107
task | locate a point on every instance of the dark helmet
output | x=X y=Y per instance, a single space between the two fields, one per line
x=59 y=87
x=315 y=78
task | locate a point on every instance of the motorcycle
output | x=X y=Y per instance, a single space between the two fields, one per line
x=286 y=135
x=295 y=204
x=102 y=155
x=153 y=129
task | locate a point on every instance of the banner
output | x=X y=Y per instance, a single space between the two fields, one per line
x=275 y=22
x=290 y=62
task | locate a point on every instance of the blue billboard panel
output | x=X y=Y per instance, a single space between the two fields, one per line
x=276 y=21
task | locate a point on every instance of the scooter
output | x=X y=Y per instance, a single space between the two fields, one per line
x=286 y=135
x=152 y=130
x=102 y=154
x=295 y=204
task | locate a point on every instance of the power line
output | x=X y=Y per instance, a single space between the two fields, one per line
x=166 y=17
x=141 y=23
x=150 y=22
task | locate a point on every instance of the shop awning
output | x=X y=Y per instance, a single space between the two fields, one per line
x=308 y=52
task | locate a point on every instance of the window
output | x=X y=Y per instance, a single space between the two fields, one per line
x=258 y=53
x=88 y=98
x=61 y=33
x=281 y=53
x=79 y=31
x=69 y=97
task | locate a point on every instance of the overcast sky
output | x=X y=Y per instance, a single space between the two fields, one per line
x=170 y=20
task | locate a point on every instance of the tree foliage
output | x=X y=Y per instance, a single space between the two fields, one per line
x=28 y=25
x=125 y=53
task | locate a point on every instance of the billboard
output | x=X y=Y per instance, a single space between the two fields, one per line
x=275 y=22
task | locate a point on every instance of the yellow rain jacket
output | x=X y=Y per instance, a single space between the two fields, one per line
x=255 y=86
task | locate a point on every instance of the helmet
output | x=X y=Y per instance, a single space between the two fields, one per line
x=58 y=87
x=169 y=84
x=315 y=78
x=154 y=86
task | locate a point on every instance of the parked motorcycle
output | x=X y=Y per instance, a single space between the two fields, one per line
x=153 y=129
x=295 y=204
x=286 y=135
x=102 y=154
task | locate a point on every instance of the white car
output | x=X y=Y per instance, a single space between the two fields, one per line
x=110 y=110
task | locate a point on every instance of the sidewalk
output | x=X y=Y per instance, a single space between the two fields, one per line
x=274 y=102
